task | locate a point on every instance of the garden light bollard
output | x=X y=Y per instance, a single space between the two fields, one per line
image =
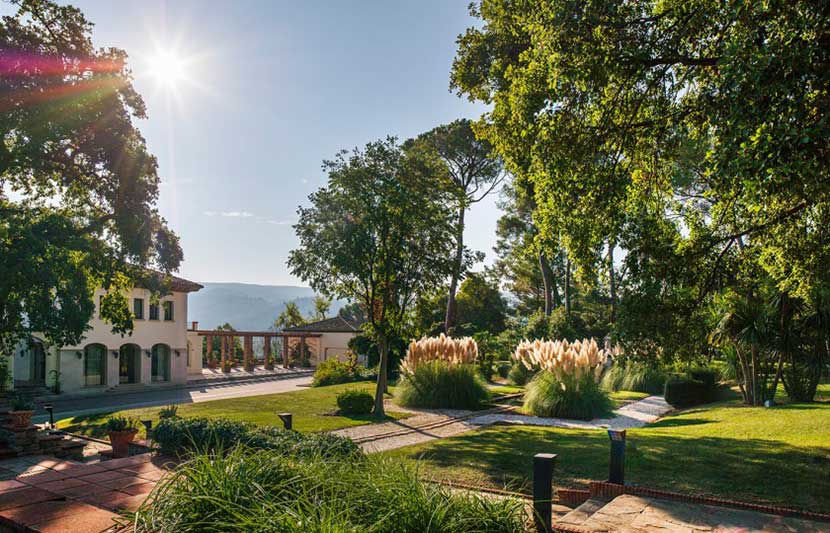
x=543 y=491
x=51 y=410
x=286 y=420
x=616 y=467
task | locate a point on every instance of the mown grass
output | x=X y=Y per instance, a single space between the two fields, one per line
x=313 y=409
x=779 y=455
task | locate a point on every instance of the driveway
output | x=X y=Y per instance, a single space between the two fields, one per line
x=152 y=398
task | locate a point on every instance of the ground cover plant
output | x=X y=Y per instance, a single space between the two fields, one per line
x=724 y=449
x=313 y=410
x=567 y=384
x=262 y=491
x=440 y=372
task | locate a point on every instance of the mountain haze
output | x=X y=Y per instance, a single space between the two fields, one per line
x=247 y=306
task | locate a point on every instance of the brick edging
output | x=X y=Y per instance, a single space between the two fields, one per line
x=603 y=489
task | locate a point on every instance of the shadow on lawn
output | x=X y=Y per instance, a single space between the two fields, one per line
x=750 y=470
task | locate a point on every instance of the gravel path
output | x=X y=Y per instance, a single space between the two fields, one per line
x=427 y=425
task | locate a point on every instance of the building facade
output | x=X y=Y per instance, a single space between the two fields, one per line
x=333 y=342
x=155 y=354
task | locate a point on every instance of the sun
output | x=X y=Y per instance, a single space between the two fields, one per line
x=168 y=68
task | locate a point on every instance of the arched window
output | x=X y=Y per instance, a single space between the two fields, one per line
x=161 y=362
x=95 y=358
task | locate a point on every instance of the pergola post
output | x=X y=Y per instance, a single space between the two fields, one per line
x=248 y=343
x=285 y=351
x=223 y=348
x=208 y=351
x=302 y=349
x=266 y=353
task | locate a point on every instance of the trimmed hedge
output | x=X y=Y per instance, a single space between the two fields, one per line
x=355 y=402
x=683 y=391
x=182 y=436
x=707 y=376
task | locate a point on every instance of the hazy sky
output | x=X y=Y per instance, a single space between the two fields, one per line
x=270 y=90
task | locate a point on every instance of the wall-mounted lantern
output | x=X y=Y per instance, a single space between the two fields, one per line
x=114 y=354
x=178 y=353
x=79 y=355
x=147 y=353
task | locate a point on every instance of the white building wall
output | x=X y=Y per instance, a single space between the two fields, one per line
x=334 y=345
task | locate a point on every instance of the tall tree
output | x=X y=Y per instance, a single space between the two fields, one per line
x=378 y=234
x=474 y=172
x=82 y=213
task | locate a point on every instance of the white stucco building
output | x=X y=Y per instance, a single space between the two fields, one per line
x=333 y=341
x=155 y=354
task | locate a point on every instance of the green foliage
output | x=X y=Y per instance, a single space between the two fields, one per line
x=21 y=402
x=707 y=376
x=487 y=348
x=365 y=346
x=289 y=317
x=683 y=391
x=120 y=423
x=170 y=411
x=82 y=213
x=438 y=385
x=634 y=376
x=5 y=372
x=579 y=398
x=503 y=369
x=334 y=371
x=355 y=402
x=519 y=374
x=481 y=307
x=183 y=436
x=56 y=381
x=264 y=491
x=378 y=234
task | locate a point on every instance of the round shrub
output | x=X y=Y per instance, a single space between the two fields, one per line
x=683 y=391
x=437 y=384
x=355 y=402
x=579 y=398
x=519 y=374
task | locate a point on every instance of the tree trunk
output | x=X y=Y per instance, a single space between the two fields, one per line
x=449 y=318
x=612 y=281
x=547 y=280
x=568 y=286
x=383 y=350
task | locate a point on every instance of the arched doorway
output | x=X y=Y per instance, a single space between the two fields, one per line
x=38 y=361
x=160 y=363
x=129 y=363
x=95 y=360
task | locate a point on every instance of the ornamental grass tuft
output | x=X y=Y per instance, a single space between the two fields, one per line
x=438 y=384
x=258 y=491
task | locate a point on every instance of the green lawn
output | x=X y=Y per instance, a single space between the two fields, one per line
x=779 y=455
x=313 y=410
x=499 y=388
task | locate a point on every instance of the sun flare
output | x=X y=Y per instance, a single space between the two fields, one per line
x=168 y=68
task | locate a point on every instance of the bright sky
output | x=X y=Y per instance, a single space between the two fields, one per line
x=246 y=99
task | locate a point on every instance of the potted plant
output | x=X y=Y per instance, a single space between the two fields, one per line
x=21 y=412
x=122 y=431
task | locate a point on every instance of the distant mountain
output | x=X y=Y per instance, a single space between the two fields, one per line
x=248 y=307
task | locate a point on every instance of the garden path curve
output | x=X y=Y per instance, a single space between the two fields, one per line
x=428 y=425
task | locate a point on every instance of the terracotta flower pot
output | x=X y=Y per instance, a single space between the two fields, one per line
x=121 y=440
x=21 y=419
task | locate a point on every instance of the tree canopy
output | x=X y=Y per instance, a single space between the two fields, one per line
x=77 y=185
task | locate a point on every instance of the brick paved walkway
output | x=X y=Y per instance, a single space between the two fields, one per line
x=51 y=495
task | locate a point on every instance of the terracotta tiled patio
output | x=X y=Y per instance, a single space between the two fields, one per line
x=51 y=495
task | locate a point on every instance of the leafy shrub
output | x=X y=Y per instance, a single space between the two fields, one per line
x=438 y=384
x=21 y=402
x=355 y=402
x=707 y=376
x=170 y=411
x=634 y=376
x=504 y=369
x=683 y=391
x=120 y=423
x=181 y=436
x=519 y=374
x=577 y=396
x=263 y=491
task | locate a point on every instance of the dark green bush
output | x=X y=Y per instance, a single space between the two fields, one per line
x=439 y=385
x=504 y=369
x=634 y=376
x=683 y=391
x=580 y=398
x=519 y=374
x=355 y=402
x=182 y=436
x=707 y=376
x=245 y=491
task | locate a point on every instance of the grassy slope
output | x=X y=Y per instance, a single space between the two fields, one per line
x=312 y=408
x=779 y=455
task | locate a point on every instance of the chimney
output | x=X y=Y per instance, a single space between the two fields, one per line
x=195 y=326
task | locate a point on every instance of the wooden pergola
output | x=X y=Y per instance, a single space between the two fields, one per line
x=227 y=343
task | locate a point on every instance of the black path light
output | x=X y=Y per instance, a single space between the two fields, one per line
x=616 y=466
x=287 y=420
x=543 y=491
x=51 y=410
